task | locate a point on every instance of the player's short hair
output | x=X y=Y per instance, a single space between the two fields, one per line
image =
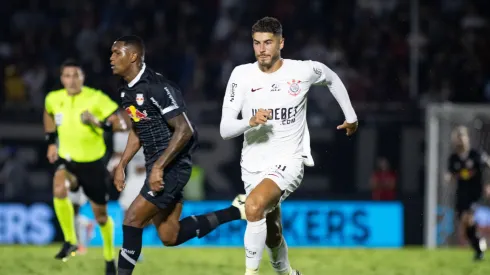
x=134 y=41
x=267 y=24
x=70 y=63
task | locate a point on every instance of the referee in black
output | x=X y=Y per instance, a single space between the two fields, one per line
x=466 y=166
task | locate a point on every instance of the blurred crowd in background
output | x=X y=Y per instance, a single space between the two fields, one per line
x=198 y=42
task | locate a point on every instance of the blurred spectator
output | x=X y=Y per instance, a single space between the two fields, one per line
x=15 y=90
x=383 y=181
x=197 y=43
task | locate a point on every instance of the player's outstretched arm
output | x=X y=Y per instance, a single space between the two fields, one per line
x=230 y=126
x=325 y=76
x=182 y=134
x=51 y=136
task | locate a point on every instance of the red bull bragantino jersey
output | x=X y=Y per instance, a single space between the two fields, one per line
x=150 y=100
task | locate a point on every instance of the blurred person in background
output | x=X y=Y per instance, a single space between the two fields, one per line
x=465 y=169
x=15 y=89
x=383 y=181
x=75 y=119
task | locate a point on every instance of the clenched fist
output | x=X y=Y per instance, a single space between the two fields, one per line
x=260 y=117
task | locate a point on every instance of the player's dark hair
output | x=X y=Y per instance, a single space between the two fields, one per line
x=70 y=63
x=135 y=41
x=268 y=24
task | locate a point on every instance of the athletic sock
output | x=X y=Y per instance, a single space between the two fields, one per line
x=66 y=218
x=200 y=226
x=107 y=232
x=131 y=249
x=473 y=238
x=255 y=235
x=279 y=258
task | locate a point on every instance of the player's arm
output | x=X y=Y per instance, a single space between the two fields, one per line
x=170 y=102
x=106 y=115
x=132 y=147
x=323 y=75
x=450 y=176
x=183 y=132
x=230 y=125
x=51 y=134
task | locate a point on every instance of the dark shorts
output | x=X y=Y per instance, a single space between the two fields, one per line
x=465 y=201
x=175 y=178
x=93 y=177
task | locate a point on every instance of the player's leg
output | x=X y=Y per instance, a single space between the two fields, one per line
x=138 y=215
x=276 y=245
x=93 y=178
x=64 y=213
x=82 y=224
x=263 y=198
x=171 y=229
x=134 y=184
x=278 y=182
x=471 y=230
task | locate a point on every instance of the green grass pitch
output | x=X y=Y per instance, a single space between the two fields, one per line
x=38 y=260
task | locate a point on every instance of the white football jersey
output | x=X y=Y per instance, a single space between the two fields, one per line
x=283 y=92
x=120 y=140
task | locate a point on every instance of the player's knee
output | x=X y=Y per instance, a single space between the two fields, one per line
x=131 y=219
x=59 y=188
x=169 y=238
x=168 y=234
x=254 y=209
x=101 y=219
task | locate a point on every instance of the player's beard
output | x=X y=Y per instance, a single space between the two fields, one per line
x=268 y=64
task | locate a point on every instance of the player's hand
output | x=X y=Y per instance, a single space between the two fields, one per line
x=350 y=128
x=119 y=178
x=89 y=118
x=156 y=179
x=260 y=117
x=52 y=154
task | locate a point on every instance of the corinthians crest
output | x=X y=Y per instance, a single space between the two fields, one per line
x=294 y=88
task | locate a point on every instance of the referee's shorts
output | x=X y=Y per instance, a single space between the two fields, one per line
x=93 y=177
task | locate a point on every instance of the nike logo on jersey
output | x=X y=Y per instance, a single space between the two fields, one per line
x=253 y=90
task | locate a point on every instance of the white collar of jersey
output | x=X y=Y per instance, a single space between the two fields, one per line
x=138 y=76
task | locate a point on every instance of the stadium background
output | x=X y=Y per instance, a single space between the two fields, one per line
x=394 y=56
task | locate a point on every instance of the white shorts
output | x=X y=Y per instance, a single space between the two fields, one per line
x=482 y=216
x=78 y=197
x=132 y=190
x=287 y=175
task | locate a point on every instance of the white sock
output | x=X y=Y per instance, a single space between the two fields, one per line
x=254 y=240
x=279 y=258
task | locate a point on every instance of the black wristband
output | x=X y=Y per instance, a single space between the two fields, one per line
x=106 y=126
x=51 y=138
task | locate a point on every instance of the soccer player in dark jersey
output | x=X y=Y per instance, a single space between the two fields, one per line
x=161 y=126
x=466 y=169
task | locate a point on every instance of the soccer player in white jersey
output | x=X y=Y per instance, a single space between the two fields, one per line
x=271 y=96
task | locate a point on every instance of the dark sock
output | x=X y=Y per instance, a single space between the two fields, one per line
x=131 y=249
x=200 y=226
x=471 y=233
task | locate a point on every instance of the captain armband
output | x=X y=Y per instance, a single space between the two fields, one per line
x=51 y=138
